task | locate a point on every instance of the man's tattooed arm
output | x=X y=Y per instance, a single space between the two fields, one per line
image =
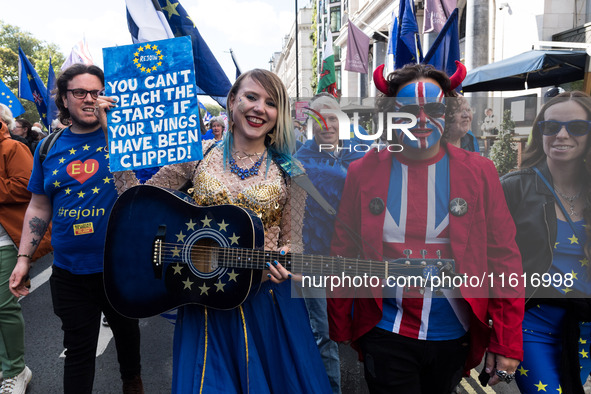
x=36 y=222
x=38 y=227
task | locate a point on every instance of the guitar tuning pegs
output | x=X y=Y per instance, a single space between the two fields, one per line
x=423 y=253
x=407 y=253
x=438 y=253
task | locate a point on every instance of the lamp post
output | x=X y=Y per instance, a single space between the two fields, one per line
x=297 y=71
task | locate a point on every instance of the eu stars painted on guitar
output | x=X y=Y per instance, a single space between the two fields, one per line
x=220 y=286
x=204 y=289
x=191 y=225
x=206 y=222
x=176 y=252
x=233 y=275
x=188 y=283
x=177 y=269
x=180 y=237
x=234 y=239
x=223 y=225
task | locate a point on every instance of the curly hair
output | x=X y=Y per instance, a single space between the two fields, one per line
x=534 y=152
x=413 y=72
x=452 y=107
x=62 y=86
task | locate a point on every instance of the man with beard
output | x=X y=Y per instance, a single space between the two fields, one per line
x=432 y=200
x=73 y=188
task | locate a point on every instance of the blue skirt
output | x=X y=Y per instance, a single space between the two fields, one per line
x=264 y=346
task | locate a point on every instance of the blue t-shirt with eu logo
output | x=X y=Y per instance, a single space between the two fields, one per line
x=75 y=177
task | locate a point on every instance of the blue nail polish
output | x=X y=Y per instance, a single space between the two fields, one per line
x=275 y=262
x=269 y=275
x=282 y=252
x=289 y=276
x=268 y=265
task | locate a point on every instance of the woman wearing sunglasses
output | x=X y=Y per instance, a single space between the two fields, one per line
x=549 y=199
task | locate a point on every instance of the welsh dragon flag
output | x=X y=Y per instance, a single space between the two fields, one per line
x=327 y=81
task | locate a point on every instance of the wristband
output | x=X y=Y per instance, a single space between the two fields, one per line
x=24 y=255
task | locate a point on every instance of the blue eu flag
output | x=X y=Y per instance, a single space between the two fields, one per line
x=209 y=75
x=446 y=47
x=30 y=86
x=408 y=47
x=9 y=99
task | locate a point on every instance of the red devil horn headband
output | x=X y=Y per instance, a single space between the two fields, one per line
x=382 y=84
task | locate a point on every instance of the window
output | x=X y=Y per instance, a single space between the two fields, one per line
x=335 y=19
x=337 y=53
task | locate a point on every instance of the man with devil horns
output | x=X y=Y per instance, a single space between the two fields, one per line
x=432 y=201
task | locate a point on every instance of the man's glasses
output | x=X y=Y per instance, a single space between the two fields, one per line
x=575 y=128
x=433 y=110
x=81 y=93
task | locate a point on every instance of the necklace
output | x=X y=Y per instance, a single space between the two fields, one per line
x=244 y=173
x=570 y=200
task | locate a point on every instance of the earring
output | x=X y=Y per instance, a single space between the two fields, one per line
x=271 y=136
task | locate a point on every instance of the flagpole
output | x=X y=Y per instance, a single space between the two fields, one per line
x=296 y=52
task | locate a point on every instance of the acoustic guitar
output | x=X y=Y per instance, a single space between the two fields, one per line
x=162 y=251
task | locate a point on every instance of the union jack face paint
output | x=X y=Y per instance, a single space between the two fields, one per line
x=425 y=100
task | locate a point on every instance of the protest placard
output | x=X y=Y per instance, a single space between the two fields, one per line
x=156 y=121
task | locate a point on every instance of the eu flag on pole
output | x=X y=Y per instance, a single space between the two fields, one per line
x=52 y=111
x=408 y=47
x=446 y=47
x=206 y=116
x=30 y=86
x=209 y=76
x=9 y=99
x=392 y=44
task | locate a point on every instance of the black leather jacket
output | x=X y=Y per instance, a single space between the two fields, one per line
x=531 y=204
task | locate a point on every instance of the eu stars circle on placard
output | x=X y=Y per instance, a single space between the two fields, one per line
x=148 y=58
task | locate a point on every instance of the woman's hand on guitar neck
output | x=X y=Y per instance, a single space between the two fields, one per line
x=277 y=273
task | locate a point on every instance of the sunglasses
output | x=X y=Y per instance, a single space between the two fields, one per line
x=81 y=93
x=575 y=128
x=433 y=110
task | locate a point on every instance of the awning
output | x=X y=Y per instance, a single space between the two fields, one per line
x=537 y=68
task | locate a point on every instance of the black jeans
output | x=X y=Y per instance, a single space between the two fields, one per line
x=397 y=364
x=78 y=301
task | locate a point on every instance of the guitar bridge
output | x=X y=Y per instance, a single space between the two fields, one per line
x=157 y=246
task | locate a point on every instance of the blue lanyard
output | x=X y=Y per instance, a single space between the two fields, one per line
x=568 y=219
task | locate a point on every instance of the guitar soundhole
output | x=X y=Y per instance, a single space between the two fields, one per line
x=204 y=255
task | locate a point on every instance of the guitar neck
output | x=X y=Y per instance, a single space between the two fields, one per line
x=313 y=264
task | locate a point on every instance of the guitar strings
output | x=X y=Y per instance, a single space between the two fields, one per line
x=171 y=250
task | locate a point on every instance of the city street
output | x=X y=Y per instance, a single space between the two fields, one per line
x=44 y=351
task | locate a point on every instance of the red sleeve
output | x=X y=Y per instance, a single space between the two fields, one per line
x=339 y=305
x=506 y=305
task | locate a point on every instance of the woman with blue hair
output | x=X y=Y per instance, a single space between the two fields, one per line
x=265 y=345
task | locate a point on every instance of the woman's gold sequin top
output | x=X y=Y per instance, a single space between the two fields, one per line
x=278 y=203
